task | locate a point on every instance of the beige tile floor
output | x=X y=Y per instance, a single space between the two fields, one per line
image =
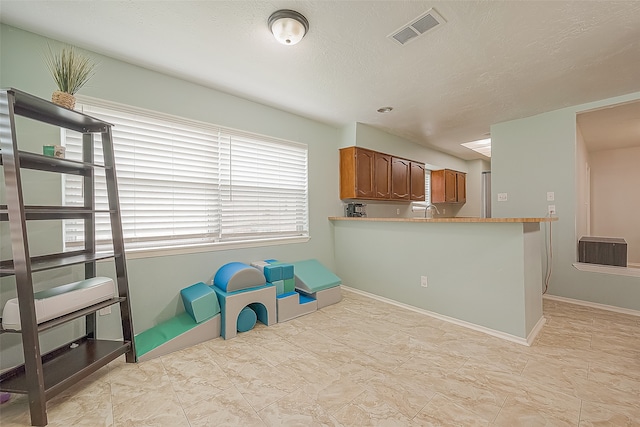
x=364 y=362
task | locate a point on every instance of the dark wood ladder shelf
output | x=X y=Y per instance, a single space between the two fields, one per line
x=67 y=365
x=43 y=376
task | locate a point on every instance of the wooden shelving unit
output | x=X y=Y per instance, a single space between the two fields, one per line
x=42 y=376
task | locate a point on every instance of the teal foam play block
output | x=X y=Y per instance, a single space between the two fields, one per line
x=273 y=273
x=200 y=301
x=286 y=269
x=246 y=320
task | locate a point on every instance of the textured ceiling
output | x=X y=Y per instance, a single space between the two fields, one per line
x=491 y=62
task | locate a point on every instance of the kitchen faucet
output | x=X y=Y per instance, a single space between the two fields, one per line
x=426 y=210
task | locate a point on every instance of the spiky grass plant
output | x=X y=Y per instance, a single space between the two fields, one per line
x=70 y=69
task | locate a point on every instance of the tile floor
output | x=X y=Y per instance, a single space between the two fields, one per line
x=364 y=362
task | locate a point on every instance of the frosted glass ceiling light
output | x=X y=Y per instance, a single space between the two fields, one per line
x=288 y=26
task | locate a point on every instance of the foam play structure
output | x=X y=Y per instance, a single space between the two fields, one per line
x=268 y=291
x=61 y=300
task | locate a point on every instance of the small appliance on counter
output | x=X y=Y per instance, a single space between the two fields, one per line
x=355 y=209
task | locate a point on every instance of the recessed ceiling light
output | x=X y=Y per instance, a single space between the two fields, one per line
x=385 y=109
x=482 y=146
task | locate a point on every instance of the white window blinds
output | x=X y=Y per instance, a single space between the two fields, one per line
x=427 y=186
x=184 y=183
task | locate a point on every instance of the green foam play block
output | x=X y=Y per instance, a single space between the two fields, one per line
x=289 y=285
x=312 y=276
x=163 y=332
x=279 y=284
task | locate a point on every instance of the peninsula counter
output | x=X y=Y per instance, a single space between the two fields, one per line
x=485 y=273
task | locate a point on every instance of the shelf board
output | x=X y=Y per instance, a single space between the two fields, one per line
x=53 y=212
x=71 y=316
x=30 y=106
x=66 y=366
x=40 y=162
x=48 y=262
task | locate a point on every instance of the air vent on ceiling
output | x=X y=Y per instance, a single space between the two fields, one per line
x=417 y=27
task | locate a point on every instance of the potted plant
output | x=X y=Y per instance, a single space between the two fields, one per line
x=70 y=70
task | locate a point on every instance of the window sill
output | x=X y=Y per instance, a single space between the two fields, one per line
x=211 y=247
x=607 y=269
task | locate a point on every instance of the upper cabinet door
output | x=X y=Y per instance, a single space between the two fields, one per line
x=461 y=187
x=450 y=182
x=417 y=181
x=400 y=176
x=382 y=175
x=364 y=173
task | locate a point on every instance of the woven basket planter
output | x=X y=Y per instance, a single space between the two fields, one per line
x=63 y=99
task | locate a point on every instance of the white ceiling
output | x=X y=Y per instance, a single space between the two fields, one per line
x=491 y=62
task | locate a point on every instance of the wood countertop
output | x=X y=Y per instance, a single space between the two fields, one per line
x=455 y=219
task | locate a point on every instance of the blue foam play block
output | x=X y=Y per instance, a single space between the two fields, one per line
x=200 y=302
x=303 y=299
x=237 y=276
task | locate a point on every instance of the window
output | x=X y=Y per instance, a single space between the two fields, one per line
x=427 y=194
x=427 y=186
x=185 y=183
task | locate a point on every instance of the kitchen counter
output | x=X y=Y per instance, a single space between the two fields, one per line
x=454 y=219
x=484 y=273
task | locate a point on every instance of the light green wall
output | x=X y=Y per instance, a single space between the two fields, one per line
x=487 y=274
x=155 y=282
x=538 y=154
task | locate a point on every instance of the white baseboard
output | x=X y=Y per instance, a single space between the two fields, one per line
x=498 y=334
x=593 y=305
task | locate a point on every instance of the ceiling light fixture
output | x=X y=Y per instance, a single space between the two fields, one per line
x=385 y=109
x=288 y=26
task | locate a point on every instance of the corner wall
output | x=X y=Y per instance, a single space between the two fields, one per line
x=538 y=154
x=155 y=281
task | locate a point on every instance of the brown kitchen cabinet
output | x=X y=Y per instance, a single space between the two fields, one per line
x=448 y=186
x=417 y=181
x=356 y=173
x=371 y=175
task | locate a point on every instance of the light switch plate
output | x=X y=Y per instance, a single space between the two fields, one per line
x=502 y=197
x=551 y=196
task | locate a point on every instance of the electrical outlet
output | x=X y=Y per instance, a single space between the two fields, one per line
x=444 y=211
x=423 y=281
x=502 y=197
x=397 y=211
x=104 y=311
x=551 y=196
x=552 y=209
